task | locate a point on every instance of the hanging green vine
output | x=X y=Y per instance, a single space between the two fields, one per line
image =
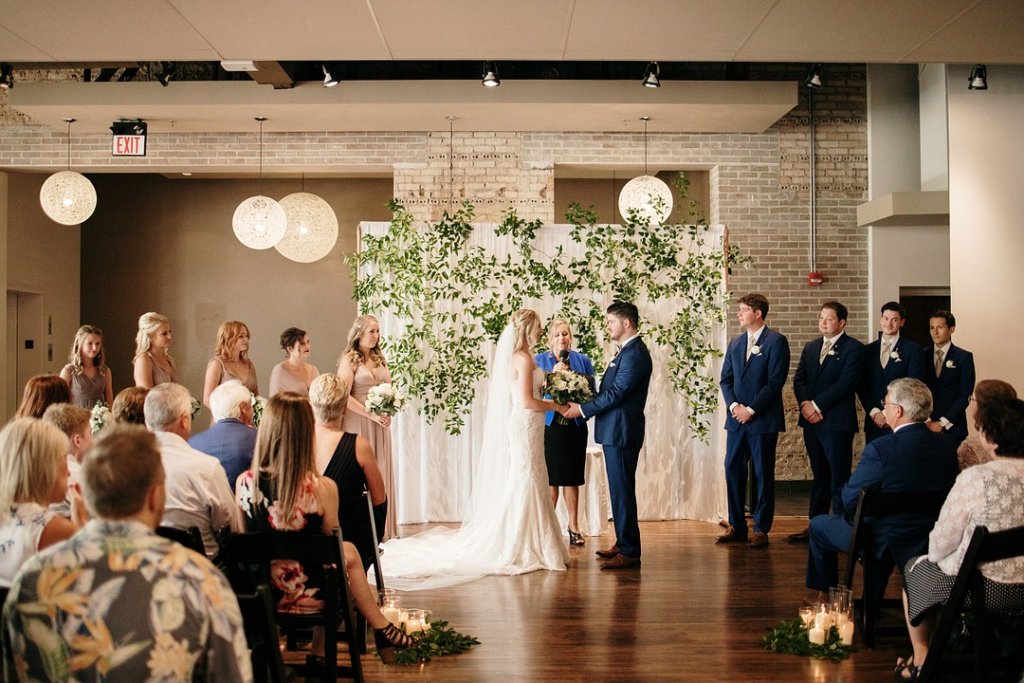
x=453 y=296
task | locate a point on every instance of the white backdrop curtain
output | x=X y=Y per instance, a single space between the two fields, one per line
x=679 y=477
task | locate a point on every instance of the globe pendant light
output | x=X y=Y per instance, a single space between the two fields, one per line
x=647 y=195
x=312 y=228
x=259 y=222
x=67 y=197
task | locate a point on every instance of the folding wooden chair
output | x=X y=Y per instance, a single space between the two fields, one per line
x=262 y=636
x=191 y=538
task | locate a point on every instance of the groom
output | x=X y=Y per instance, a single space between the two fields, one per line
x=619 y=409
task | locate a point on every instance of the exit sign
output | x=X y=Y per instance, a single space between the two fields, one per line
x=128 y=146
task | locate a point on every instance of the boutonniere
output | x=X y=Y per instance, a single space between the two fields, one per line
x=895 y=356
x=831 y=352
x=950 y=364
x=755 y=350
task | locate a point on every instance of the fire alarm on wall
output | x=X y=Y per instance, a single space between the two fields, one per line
x=814 y=279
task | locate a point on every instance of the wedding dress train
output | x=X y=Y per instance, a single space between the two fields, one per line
x=510 y=526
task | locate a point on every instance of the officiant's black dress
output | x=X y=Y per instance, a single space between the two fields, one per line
x=565 y=446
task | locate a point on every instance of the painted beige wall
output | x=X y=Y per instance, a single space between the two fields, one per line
x=42 y=258
x=935 y=161
x=167 y=245
x=986 y=206
x=5 y=411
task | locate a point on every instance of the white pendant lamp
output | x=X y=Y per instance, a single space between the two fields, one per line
x=649 y=196
x=67 y=197
x=259 y=222
x=312 y=228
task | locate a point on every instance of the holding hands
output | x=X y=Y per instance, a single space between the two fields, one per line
x=569 y=411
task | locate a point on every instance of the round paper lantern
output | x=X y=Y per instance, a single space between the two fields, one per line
x=312 y=228
x=259 y=222
x=68 y=198
x=643 y=191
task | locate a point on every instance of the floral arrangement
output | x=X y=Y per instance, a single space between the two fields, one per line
x=791 y=637
x=196 y=406
x=567 y=387
x=437 y=641
x=385 y=399
x=258 y=404
x=100 y=417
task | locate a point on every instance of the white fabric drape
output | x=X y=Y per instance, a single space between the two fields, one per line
x=678 y=477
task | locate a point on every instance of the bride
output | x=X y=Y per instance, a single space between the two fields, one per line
x=510 y=526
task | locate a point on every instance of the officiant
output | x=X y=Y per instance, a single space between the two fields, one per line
x=565 y=441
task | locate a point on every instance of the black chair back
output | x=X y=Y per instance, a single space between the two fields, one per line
x=191 y=538
x=262 y=636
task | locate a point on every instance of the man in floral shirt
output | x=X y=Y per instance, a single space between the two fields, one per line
x=116 y=602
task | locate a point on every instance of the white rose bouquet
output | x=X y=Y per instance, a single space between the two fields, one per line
x=100 y=417
x=385 y=399
x=567 y=387
x=258 y=404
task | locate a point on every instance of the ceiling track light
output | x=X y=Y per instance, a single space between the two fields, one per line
x=168 y=71
x=978 y=80
x=329 y=80
x=490 y=78
x=6 y=76
x=651 y=74
x=813 y=79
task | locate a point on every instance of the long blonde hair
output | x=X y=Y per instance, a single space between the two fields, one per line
x=149 y=324
x=352 y=351
x=228 y=332
x=525 y=322
x=75 y=357
x=284 y=448
x=31 y=451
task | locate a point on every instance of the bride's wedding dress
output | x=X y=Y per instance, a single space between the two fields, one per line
x=510 y=526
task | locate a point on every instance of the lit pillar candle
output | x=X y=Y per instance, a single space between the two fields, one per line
x=846 y=632
x=816 y=635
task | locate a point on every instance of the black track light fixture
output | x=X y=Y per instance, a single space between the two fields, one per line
x=6 y=76
x=329 y=80
x=978 y=80
x=813 y=79
x=168 y=70
x=490 y=78
x=651 y=73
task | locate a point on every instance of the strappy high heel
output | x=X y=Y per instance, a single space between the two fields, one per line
x=575 y=537
x=388 y=639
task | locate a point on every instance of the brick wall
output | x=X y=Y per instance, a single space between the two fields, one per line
x=759 y=187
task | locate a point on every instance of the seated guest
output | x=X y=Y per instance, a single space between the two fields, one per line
x=972 y=451
x=74 y=422
x=232 y=437
x=348 y=460
x=33 y=474
x=129 y=405
x=912 y=458
x=117 y=602
x=197 y=491
x=293 y=373
x=41 y=392
x=283 y=491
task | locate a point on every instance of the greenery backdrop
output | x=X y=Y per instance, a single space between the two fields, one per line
x=453 y=296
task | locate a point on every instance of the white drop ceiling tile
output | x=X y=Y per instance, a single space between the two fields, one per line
x=662 y=29
x=293 y=30
x=473 y=29
x=15 y=49
x=992 y=31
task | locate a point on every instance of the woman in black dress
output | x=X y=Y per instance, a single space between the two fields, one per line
x=565 y=442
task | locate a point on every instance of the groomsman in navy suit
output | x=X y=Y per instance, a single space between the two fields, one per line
x=951 y=378
x=619 y=427
x=825 y=384
x=753 y=374
x=889 y=357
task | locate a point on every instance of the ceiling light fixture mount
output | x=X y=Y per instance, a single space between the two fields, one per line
x=490 y=78
x=67 y=197
x=978 y=80
x=168 y=71
x=651 y=73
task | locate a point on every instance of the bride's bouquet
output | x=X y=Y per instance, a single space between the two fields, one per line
x=567 y=387
x=385 y=399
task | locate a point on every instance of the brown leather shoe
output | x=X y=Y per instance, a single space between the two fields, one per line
x=800 y=536
x=759 y=539
x=608 y=553
x=731 y=536
x=620 y=561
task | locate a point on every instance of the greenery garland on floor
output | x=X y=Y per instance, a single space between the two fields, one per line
x=790 y=637
x=439 y=641
x=453 y=296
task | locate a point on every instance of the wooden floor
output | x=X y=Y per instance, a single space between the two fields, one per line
x=693 y=612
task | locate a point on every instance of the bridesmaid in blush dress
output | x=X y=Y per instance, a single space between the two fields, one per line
x=152 y=363
x=230 y=360
x=293 y=374
x=86 y=372
x=362 y=366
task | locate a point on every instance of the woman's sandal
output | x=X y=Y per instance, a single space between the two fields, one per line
x=388 y=639
x=906 y=665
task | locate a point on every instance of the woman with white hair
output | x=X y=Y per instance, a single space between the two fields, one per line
x=33 y=474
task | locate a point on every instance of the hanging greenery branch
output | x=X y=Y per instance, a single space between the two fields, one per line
x=453 y=296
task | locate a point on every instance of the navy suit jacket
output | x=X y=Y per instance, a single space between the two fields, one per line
x=909 y=362
x=619 y=405
x=951 y=390
x=231 y=442
x=756 y=382
x=912 y=459
x=831 y=385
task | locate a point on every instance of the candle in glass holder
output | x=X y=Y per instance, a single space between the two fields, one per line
x=425 y=615
x=391 y=610
x=846 y=632
x=840 y=619
x=823 y=619
x=816 y=635
x=807 y=615
x=414 y=621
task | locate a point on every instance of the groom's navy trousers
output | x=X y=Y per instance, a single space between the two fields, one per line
x=621 y=465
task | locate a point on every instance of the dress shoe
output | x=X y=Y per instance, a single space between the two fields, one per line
x=758 y=539
x=575 y=537
x=800 y=536
x=609 y=553
x=731 y=536
x=620 y=561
